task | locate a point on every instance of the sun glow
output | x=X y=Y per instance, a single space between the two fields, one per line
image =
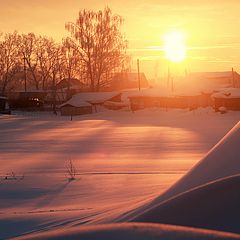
x=174 y=46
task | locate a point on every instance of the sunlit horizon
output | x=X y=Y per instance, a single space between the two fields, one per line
x=212 y=29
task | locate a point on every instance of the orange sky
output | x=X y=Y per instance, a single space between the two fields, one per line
x=212 y=27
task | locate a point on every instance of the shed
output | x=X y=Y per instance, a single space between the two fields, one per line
x=72 y=108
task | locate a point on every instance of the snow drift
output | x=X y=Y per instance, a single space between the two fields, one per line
x=222 y=161
x=212 y=206
x=130 y=231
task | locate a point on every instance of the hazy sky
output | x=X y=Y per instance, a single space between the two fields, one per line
x=212 y=28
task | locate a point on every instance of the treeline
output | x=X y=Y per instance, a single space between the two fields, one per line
x=93 y=52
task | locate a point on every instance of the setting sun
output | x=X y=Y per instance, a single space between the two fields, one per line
x=174 y=46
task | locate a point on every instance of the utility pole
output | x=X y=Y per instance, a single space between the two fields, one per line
x=233 y=79
x=25 y=75
x=139 y=80
x=168 y=76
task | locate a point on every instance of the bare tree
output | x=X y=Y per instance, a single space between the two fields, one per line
x=9 y=61
x=45 y=51
x=28 y=49
x=98 y=39
x=55 y=71
x=70 y=61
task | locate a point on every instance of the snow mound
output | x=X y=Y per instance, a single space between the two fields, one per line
x=130 y=231
x=222 y=161
x=211 y=206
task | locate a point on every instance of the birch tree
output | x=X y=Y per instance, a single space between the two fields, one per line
x=99 y=42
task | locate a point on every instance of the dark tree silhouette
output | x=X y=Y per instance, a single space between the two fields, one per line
x=99 y=42
x=9 y=60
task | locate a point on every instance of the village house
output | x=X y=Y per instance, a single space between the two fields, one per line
x=152 y=98
x=85 y=103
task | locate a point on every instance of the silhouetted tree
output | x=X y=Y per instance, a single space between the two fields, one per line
x=45 y=51
x=9 y=61
x=28 y=49
x=70 y=61
x=99 y=42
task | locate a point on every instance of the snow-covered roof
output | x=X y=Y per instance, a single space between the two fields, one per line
x=149 y=92
x=94 y=97
x=74 y=103
x=227 y=93
x=115 y=104
x=159 y=92
x=85 y=99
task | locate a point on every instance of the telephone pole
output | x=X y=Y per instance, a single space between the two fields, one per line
x=233 y=79
x=139 y=80
x=25 y=74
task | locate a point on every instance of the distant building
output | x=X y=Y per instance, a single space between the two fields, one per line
x=227 y=98
x=75 y=108
x=150 y=98
x=29 y=99
x=191 y=102
x=83 y=103
x=127 y=81
x=215 y=79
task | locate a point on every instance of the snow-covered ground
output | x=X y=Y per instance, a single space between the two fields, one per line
x=131 y=231
x=123 y=160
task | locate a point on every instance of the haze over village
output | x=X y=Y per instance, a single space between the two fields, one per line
x=119 y=120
